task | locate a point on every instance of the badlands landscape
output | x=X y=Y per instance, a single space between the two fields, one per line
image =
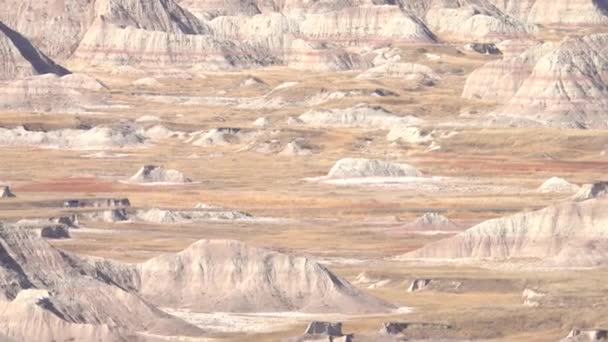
x=303 y=170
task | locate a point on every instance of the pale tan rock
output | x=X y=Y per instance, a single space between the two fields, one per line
x=591 y=191
x=418 y=285
x=574 y=12
x=230 y=276
x=310 y=55
x=418 y=73
x=568 y=86
x=586 y=335
x=499 y=80
x=474 y=22
x=5 y=192
x=569 y=234
x=158 y=33
x=51 y=93
x=556 y=184
x=362 y=116
x=532 y=297
x=59 y=25
x=432 y=221
x=100 y=137
x=20 y=58
x=151 y=174
x=359 y=167
x=365 y=24
x=409 y=134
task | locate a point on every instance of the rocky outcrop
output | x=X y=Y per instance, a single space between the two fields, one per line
x=358 y=168
x=324 y=331
x=371 y=282
x=85 y=310
x=108 y=216
x=473 y=20
x=100 y=137
x=362 y=116
x=214 y=8
x=409 y=135
x=262 y=122
x=545 y=12
x=568 y=234
x=158 y=32
x=20 y=58
x=365 y=24
x=162 y=216
x=579 y=12
x=108 y=44
x=324 y=328
x=151 y=174
x=273 y=31
x=432 y=221
x=49 y=294
x=567 y=87
x=297 y=147
x=239 y=278
x=499 y=80
x=585 y=335
x=303 y=38
x=57 y=231
x=59 y=25
x=559 y=185
x=97 y=203
x=152 y=15
x=484 y=49
x=591 y=191
x=411 y=72
x=418 y=285
x=326 y=56
x=54 y=228
x=221 y=136
x=398 y=328
x=73 y=93
x=53 y=295
x=533 y=298
x=5 y=192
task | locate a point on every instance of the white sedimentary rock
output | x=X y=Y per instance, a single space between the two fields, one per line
x=357 y=168
x=556 y=184
x=150 y=174
x=239 y=278
x=566 y=234
x=362 y=116
x=563 y=85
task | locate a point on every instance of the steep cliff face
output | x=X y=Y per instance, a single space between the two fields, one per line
x=54 y=26
x=568 y=86
x=157 y=33
x=546 y=12
x=20 y=58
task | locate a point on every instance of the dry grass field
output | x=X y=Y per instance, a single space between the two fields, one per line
x=486 y=173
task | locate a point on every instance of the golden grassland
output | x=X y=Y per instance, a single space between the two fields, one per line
x=328 y=221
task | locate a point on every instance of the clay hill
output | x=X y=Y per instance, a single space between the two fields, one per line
x=570 y=234
x=48 y=294
x=222 y=275
x=561 y=85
